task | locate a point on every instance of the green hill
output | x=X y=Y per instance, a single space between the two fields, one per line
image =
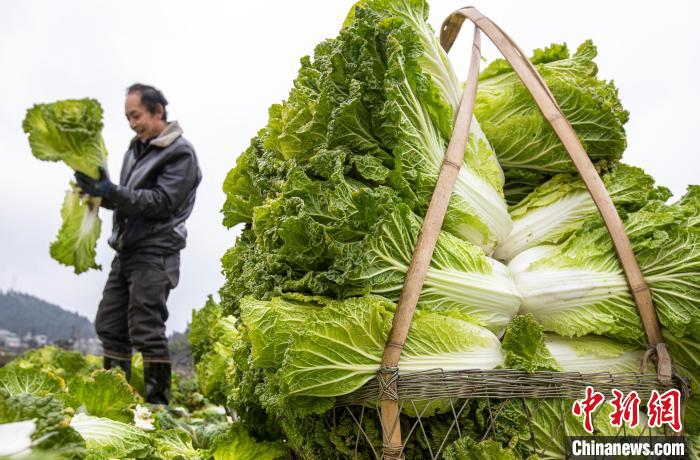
x=22 y=313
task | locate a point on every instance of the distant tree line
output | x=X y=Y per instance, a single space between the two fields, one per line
x=22 y=313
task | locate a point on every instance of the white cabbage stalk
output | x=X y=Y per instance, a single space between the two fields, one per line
x=561 y=205
x=484 y=358
x=575 y=301
x=419 y=355
x=555 y=289
x=578 y=287
x=487 y=204
x=480 y=193
x=491 y=298
x=541 y=223
x=592 y=354
x=106 y=435
x=337 y=346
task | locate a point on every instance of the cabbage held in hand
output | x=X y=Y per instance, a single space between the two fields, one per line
x=71 y=131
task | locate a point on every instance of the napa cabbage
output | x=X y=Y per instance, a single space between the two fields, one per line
x=110 y=438
x=77 y=238
x=528 y=347
x=366 y=104
x=341 y=238
x=331 y=348
x=550 y=420
x=558 y=207
x=71 y=131
x=578 y=287
x=527 y=147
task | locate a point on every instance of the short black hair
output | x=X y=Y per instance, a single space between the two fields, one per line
x=150 y=97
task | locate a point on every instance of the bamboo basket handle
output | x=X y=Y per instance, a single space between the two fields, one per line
x=550 y=109
x=422 y=254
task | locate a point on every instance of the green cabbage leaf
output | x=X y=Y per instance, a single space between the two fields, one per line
x=71 y=131
x=526 y=145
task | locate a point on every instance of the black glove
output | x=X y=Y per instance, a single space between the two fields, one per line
x=102 y=187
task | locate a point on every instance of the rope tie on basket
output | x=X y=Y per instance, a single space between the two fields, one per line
x=387 y=377
x=664 y=367
x=645 y=360
x=640 y=287
x=685 y=389
x=446 y=161
x=394 y=344
x=391 y=452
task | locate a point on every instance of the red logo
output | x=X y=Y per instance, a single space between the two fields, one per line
x=626 y=409
x=662 y=409
x=586 y=406
x=665 y=409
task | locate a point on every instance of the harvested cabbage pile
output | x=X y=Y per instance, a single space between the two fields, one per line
x=331 y=195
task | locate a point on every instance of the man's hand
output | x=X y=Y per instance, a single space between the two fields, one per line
x=101 y=188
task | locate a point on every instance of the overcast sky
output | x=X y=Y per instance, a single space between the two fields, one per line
x=221 y=65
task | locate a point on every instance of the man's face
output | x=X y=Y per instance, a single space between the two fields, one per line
x=145 y=124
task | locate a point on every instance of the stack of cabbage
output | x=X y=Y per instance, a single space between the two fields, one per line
x=332 y=193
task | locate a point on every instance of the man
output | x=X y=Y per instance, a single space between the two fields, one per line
x=155 y=195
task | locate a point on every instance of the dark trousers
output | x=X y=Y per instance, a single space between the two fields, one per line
x=133 y=312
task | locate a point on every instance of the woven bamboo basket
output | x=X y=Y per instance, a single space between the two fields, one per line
x=383 y=399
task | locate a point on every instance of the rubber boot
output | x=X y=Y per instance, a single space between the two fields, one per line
x=111 y=363
x=156 y=378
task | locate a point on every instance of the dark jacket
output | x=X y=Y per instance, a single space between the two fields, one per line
x=155 y=195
